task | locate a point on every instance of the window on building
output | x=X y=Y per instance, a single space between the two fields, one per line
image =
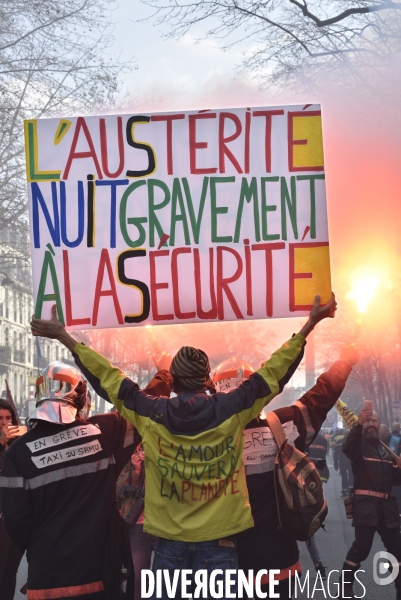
x=14 y=297
x=7 y=301
x=1 y=309
x=29 y=351
x=15 y=390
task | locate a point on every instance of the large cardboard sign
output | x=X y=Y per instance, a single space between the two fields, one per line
x=178 y=217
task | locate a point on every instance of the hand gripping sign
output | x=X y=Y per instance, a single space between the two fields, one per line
x=178 y=217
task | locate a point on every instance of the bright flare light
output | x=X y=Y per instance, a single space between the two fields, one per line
x=153 y=341
x=363 y=289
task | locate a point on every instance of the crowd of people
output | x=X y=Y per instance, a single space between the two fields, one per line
x=194 y=437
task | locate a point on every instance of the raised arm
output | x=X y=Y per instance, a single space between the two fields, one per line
x=318 y=313
x=316 y=402
x=353 y=444
x=278 y=370
x=108 y=381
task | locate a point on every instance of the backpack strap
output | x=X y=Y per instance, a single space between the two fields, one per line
x=276 y=428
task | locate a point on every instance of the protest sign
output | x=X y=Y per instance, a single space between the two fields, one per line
x=178 y=217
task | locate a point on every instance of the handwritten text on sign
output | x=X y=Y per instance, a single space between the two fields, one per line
x=167 y=218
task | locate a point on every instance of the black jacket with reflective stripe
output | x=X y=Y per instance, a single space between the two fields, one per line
x=374 y=469
x=58 y=487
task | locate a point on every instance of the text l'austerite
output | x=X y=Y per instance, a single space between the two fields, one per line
x=197 y=221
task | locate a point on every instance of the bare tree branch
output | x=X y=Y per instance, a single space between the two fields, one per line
x=346 y=13
x=63 y=17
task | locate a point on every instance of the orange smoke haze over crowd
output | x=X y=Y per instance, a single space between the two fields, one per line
x=363 y=179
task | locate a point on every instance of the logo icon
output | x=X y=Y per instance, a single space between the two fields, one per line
x=381 y=568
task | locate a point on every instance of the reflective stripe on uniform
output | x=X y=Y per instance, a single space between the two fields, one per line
x=310 y=432
x=52 y=476
x=13 y=482
x=352 y=564
x=74 y=471
x=284 y=573
x=65 y=592
x=390 y=462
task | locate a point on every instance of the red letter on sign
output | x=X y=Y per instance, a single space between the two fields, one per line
x=222 y=282
x=212 y=313
x=169 y=120
x=67 y=292
x=105 y=262
x=268 y=248
x=194 y=145
x=91 y=153
x=268 y=114
x=103 y=148
x=176 y=292
x=154 y=286
x=223 y=150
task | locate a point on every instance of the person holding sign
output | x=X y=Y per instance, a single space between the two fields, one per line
x=195 y=476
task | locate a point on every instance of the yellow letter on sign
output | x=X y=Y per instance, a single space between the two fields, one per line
x=305 y=141
x=309 y=275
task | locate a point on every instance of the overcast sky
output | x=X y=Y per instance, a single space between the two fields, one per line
x=179 y=74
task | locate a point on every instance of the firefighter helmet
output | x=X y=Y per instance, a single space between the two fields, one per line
x=230 y=373
x=61 y=393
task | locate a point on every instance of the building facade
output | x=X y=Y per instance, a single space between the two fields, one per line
x=22 y=356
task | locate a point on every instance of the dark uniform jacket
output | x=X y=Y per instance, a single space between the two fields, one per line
x=59 y=499
x=374 y=469
x=264 y=546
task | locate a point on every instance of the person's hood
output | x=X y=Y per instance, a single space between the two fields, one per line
x=54 y=411
x=191 y=411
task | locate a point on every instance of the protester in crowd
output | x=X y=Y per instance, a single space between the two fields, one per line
x=384 y=434
x=395 y=440
x=10 y=557
x=264 y=546
x=131 y=489
x=131 y=492
x=58 y=493
x=395 y=429
x=327 y=437
x=195 y=437
x=342 y=462
x=374 y=509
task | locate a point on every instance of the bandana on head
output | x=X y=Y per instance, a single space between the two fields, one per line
x=191 y=368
